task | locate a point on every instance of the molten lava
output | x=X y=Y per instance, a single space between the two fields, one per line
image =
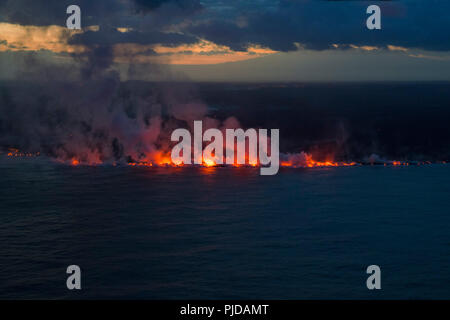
x=163 y=159
x=13 y=152
x=305 y=160
x=301 y=160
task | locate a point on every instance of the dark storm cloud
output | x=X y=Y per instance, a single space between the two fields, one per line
x=277 y=24
x=110 y=36
x=318 y=24
x=149 y=5
x=48 y=12
x=53 y=12
x=144 y=21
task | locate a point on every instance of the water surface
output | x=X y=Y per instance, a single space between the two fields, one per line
x=213 y=233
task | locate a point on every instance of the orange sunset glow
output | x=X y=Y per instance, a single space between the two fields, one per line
x=15 y=37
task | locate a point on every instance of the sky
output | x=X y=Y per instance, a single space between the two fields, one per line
x=227 y=40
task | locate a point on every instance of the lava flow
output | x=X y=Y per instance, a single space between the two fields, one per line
x=298 y=160
x=163 y=159
x=305 y=160
x=13 y=152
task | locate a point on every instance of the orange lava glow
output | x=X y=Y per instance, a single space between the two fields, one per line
x=163 y=159
x=311 y=163
x=400 y=163
x=209 y=162
x=13 y=152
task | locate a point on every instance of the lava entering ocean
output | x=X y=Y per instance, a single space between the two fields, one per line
x=306 y=160
x=287 y=160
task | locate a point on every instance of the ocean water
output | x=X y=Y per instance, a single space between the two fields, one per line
x=223 y=233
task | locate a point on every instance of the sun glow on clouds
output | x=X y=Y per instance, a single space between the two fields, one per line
x=124 y=30
x=354 y=46
x=202 y=52
x=396 y=48
x=15 y=37
x=56 y=39
x=419 y=55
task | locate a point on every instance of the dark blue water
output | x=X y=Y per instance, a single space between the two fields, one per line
x=223 y=232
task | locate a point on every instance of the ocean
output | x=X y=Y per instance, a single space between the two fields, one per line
x=223 y=233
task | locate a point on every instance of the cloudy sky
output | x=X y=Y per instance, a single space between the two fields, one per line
x=232 y=40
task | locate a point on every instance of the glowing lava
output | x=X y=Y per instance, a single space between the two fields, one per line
x=163 y=159
x=305 y=160
x=13 y=152
x=208 y=162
